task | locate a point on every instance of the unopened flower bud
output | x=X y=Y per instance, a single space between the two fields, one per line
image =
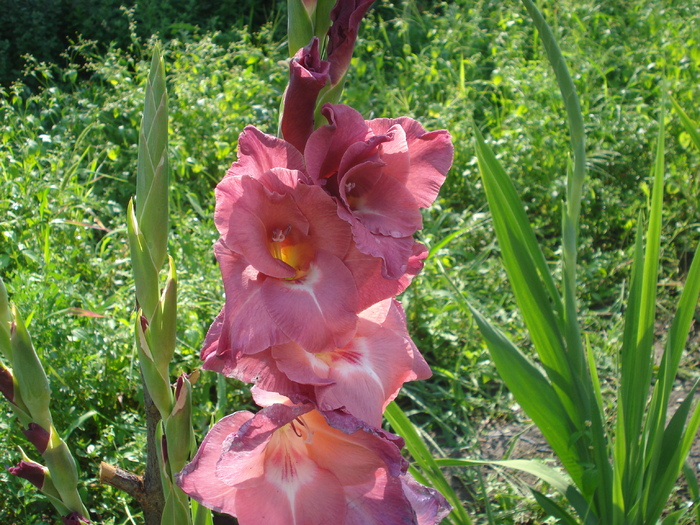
x=178 y=427
x=31 y=471
x=5 y=323
x=74 y=518
x=7 y=384
x=30 y=375
x=38 y=436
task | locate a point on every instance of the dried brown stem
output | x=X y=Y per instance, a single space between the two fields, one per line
x=147 y=489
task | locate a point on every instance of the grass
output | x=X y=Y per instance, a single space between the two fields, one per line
x=68 y=169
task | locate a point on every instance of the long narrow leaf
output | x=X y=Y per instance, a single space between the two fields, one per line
x=424 y=458
x=535 y=395
x=688 y=124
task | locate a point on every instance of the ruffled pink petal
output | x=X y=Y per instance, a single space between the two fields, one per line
x=379 y=502
x=368 y=373
x=317 y=311
x=373 y=287
x=327 y=145
x=197 y=478
x=430 y=506
x=259 y=152
x=300 y=366
x=247 y=326
x=430 y=155
x=381 y=203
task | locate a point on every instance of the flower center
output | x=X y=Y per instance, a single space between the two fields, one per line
x=291 y=248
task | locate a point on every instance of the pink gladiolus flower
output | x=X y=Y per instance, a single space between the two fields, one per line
x=362 y=377
x=290 y=268
x=381 y=172
x=308 y=74
x=293 y=465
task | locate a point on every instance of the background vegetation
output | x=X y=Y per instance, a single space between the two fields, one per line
x=67 y=169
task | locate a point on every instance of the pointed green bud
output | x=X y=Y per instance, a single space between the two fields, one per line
x=30 y=375
x=48 y=488
x=300 y=27
x=10 y=389
x=145 y=270
x=162 y=331
x=158 y=385
x=178 y=426
x=322 y=18
x=64 y=472
x=5 y=323
x=152 y=177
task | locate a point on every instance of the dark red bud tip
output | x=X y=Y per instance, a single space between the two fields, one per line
x=13 y=328
x=37 y=436
x=144 y=323
x=164 y=445
x=180 y=383
x=74 y=518
x=32 y=472
x=7 y=385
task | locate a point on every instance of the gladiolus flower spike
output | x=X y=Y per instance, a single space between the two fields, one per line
x=316 y=241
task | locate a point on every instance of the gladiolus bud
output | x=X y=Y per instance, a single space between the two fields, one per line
x=308 y=74
x=5 y=323
x=30 y=375
x=161 y=333
x=156 y=382
x=74 y=518
x=7 y=384
x=346 y=17
x=300 y=26
x=178 y=426
x=38 y=436
x=31 y=471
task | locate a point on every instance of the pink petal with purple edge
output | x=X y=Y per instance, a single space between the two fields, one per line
x=381 y=203
x=197 y=478
x=263 y=370
x=259 y=152
x=318 y=311
x=373 y=287
x=247 y=326
x=430 y=153
x=327 y=145
x=243 y=455
x=352 y=449
x=430 y=506
x=379 y=502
